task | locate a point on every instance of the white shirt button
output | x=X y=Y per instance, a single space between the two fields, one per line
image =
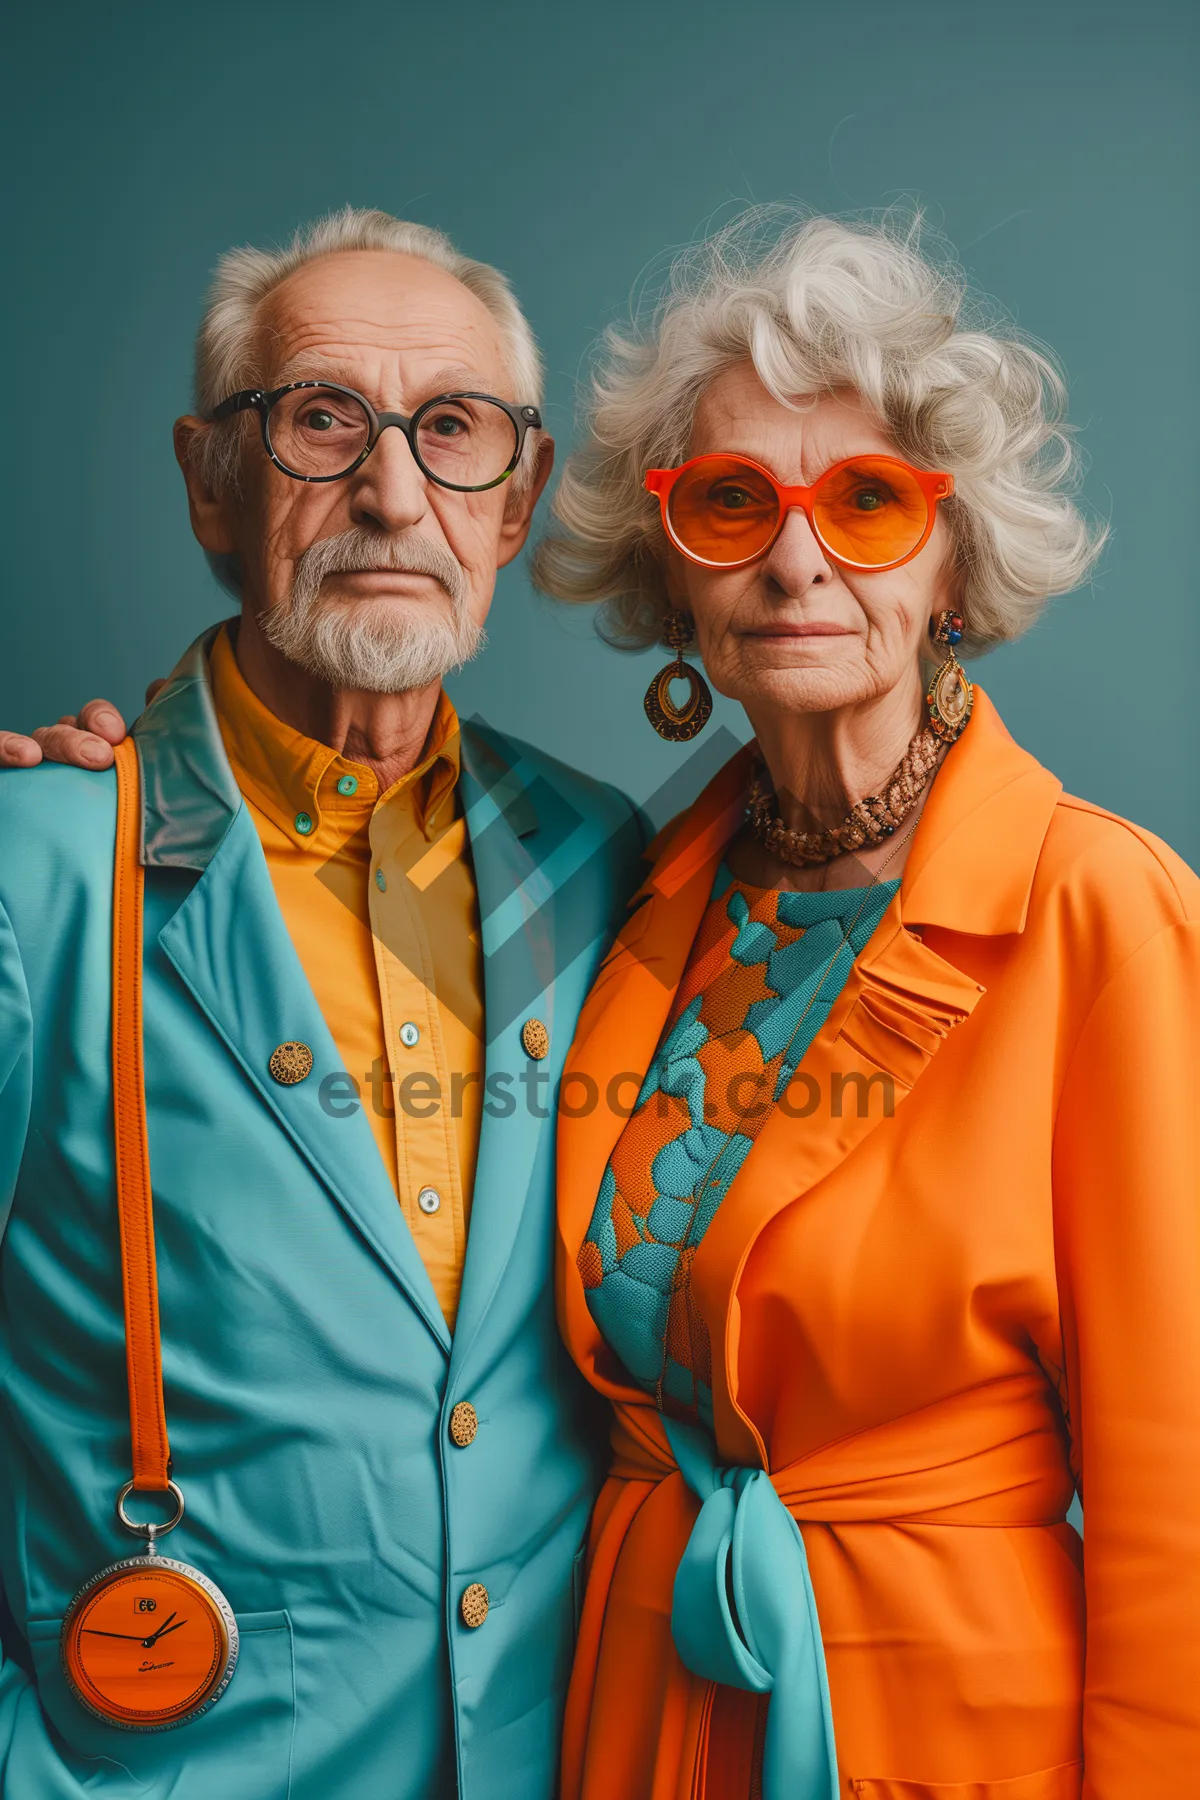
x=409 y=1035
x=429 y=1200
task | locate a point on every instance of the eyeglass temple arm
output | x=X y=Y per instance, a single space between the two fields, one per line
x=236 y=403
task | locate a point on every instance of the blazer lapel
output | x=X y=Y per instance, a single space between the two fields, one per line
x=229 y=945
x=518 y=827
x=895 y=1012
x=969 y=871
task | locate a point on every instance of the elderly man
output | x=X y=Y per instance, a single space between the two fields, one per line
x=366 y=938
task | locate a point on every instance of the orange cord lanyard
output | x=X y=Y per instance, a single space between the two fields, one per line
x=111 y=1630
x=135 y=1203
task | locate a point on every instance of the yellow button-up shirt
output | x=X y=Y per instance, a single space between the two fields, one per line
x=378 y=895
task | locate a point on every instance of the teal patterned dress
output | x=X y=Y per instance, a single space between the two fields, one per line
x=765 y=970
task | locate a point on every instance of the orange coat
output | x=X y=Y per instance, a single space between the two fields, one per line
x=929 y=1326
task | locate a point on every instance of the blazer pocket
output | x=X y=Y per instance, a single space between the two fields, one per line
x=1064 y=1782
x=241 y=1749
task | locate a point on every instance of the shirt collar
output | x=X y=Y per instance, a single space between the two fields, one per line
x=293 y=778
x=977 y=843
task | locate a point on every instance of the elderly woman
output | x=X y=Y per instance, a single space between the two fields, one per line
x=898 y=1246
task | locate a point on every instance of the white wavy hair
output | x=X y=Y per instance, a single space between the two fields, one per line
x=817 y=305
x=228 y=349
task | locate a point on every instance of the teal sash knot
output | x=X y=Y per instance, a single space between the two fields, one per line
x=744 y=1615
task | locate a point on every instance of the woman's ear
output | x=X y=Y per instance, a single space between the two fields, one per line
x=209 y=509
x=672 y=567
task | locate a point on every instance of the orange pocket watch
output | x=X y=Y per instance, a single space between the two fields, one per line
x=148 y=1642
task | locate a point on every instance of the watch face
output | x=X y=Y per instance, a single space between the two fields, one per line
x=149 y=1643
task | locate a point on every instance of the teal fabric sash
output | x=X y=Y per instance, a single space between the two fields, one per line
x=746 y=1543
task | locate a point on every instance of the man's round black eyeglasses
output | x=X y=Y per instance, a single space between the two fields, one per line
x=319 y=431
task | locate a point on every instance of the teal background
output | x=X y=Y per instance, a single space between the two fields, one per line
x=1055 y=143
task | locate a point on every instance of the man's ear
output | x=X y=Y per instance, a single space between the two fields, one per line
x=209 y=509
x=518 y=515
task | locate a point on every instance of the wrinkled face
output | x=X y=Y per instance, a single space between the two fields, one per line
x=795 y=631
x=399 y=331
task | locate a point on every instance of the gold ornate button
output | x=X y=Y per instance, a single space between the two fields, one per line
x=290 y=1063
x=474 y=1605
x=464 y=1423
x=536 y=1039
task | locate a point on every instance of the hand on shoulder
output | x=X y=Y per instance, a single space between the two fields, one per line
x=84 y=739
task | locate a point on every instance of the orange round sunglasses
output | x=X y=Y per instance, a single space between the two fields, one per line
x=867 y=512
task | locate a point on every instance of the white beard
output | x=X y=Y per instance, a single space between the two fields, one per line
x=377 y=646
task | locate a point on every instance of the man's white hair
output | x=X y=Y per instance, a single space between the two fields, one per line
x=818 y=305
x=228 y=346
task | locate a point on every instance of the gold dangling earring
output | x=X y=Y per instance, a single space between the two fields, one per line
x=949 y=696
x=678 y=724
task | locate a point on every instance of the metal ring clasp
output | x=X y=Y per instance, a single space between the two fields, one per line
x=150 y=1530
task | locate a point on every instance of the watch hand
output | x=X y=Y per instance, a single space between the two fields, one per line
x=155 y=1635
x=165 y=1632
x=130 y=1637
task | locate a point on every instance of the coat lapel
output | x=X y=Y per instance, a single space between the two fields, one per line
x=229 y=945
x=620 y=1027
x=970 y=871
x=895 y=1012
x=517 y=828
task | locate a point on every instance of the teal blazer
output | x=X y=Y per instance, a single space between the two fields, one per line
x=308 y=1371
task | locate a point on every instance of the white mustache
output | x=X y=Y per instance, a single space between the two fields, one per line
x=359 y=551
